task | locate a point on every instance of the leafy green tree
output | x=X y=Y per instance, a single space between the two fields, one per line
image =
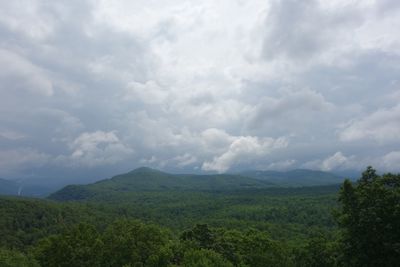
x=79 y=246
x=259 y=250
x=370 y=219
x=317 y=252
x=12 y=258
x=201 y=234
x=132 y=243
x=204 y=258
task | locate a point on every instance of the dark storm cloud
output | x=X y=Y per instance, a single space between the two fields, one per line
x=112 y=85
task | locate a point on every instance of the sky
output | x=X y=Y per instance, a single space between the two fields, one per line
x=93 y=88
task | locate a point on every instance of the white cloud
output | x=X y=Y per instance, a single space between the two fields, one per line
x=382 y=126
x=185 y=160
x=97 y=148
x=391 y=161
x=334 y=162
x=244 y=149
x=149 y=92
x=20 y=74
x=337 y=161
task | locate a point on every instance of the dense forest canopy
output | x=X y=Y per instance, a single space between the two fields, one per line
x=352 y=225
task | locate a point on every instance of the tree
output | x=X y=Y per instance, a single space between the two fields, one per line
x=11 y=258
x=204 y=258
x=201 y=234
x=370 y=219
x=317 y=252
x=132 y=243
x=79 y=246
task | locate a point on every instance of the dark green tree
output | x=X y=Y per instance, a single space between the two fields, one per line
x=318 y=251
x=79 y=246
x=370 y=219
x=201 y=234
x=204 y=258
x=132 y=243
x=12 y=258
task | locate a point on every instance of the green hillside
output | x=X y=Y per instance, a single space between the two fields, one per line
x=181 y=226
x=300 y=177
x=146 y=179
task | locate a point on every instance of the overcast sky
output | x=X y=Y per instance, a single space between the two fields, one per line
x=100 y=87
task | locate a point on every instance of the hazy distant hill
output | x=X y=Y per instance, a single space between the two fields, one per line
x=299 y=177
x=8 y=187
x=146 y=179
x=23 y=188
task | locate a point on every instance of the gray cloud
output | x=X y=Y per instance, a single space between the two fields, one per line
x=91 y=87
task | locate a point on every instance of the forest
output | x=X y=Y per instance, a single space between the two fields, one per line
x=205 y=221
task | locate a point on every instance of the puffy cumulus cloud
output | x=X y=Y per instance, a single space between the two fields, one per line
x=244 y=149
x=337 y=161
x=210 y=85
x=98 y=148
x=382 y=126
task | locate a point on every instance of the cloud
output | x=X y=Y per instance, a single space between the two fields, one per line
x=337 y=161
x=11 y=135
x=390 y=162
x=244 y=149
x=183 y=86
x=291 y=112
x=334 y=162
x=382 y=126
x=300 y=30
x=21 y=74
x=98 y=148
x=21 y=159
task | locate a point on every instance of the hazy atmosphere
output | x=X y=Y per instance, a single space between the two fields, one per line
x=95 y=88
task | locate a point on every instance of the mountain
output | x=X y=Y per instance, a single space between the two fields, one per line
x=8 y=187
x=300 y=177
x=146 y=179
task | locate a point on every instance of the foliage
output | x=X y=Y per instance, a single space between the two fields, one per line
x=12 y=258
x=131 y=242
x=370 y=217
x=242 y=227
x=318 y=251
x=204 y=258
x=79 y=246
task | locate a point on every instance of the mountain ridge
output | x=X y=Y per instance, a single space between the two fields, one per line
x=296 y=177
x=145 y=179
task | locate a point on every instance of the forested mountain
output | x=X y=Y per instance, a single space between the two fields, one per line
x=168 y=226
x=146 y=179
x=299 y=177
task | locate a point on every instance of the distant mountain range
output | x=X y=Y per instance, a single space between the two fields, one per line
x=147 y=179
x=15 y=188
x=300 y=177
